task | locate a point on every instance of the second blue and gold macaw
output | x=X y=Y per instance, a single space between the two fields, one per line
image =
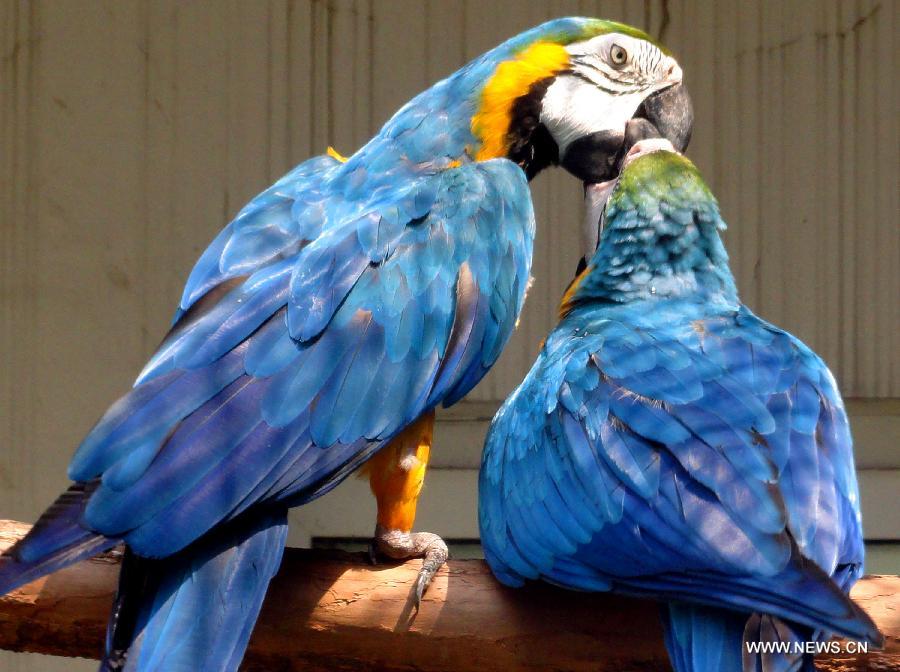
x=669 y=443
x=322 y=327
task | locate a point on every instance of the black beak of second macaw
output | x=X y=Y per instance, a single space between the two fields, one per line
x=665 y=114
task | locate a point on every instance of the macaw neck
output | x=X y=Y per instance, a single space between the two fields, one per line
x=472 y=115
x=657 y=249
x=429 y=134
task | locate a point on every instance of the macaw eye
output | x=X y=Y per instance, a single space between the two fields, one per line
x=617 y=55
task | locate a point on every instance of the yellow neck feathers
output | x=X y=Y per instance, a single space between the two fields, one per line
x=511 y=80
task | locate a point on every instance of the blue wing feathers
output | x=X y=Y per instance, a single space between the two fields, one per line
x=216 y=498
x=295 y=358
x=259 y=238
x=269 y=226
x=325 y=273
x=634 y=462
x=239 y=315
x=127 y=424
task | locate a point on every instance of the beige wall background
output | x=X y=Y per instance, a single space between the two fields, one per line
x=131 y=131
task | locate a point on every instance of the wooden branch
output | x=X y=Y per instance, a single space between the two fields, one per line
x=333 y=611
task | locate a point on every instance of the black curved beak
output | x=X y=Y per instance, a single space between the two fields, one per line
x=671 y=113
x=665 y=114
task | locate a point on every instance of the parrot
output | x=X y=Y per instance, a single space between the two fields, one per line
x=321 y=328
x=667 y=443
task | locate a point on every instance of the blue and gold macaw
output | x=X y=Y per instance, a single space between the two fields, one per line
x=669 y=443
x=322 y=327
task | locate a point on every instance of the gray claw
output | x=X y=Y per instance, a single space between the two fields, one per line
x=435 y=556
x=421 y=584
x=403 y=545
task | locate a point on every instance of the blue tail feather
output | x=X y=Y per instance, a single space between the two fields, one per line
x=700 y=638
x=195 y=610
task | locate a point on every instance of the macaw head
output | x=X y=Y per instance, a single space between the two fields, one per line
x=655 y=233
x=579 y=93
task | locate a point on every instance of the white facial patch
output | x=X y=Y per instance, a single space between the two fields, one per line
x=644 y=65
x=574 y=108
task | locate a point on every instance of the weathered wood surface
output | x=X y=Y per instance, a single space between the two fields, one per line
x=334 y=611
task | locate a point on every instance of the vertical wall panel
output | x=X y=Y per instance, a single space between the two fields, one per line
x=299 y=80
x=18 y=251
x=86 y=223
x=847 y=176
x=397 y=60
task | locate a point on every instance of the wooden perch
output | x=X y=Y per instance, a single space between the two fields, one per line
x=334 y=611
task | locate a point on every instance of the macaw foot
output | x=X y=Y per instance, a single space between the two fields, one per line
x=400 y=545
